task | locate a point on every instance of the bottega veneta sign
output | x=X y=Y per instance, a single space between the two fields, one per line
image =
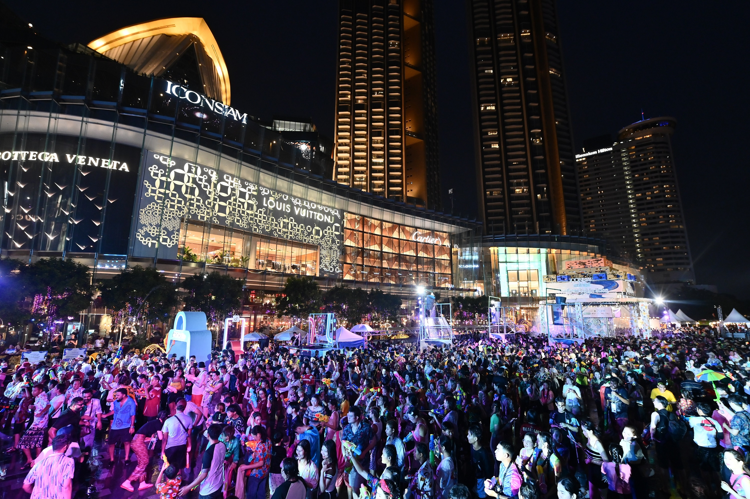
x=53 y=157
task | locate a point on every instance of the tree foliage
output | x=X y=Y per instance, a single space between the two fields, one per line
x=218 y=295
x=59 y=287
x=385 y=306
x=10 y=293
x=140 y=289
x=354 y=304
x=301 y=297
x=470 y=306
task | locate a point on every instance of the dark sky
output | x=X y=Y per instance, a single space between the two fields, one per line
x=666 y=58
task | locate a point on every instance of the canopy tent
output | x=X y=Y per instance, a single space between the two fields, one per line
x=362 y=328
x=254 y=337
x=347 y=339
x=669 y=317
x=735 y=318
x=682 y=316
x=289 y=334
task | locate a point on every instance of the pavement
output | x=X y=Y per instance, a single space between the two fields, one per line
x=95 y=478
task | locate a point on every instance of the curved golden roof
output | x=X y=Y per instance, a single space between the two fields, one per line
x=178 y=26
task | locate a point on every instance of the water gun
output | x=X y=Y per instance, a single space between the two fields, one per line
x=350 y=448
x=327 y=381
x=432 y=449
x=399 y=377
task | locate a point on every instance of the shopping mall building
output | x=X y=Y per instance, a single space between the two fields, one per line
x=115 y=169
x=112 y=168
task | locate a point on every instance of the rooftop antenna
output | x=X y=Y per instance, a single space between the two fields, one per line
x=643 y=118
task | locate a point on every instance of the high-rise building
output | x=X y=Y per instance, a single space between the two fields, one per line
x=630 y=196
x=526 y=174
x=386 y=100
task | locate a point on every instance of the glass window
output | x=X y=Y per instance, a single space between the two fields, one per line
x=390 y=245
x=372 y=226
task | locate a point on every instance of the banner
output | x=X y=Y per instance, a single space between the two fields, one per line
x=35 y=357
x=72 y=353
x=557 y=315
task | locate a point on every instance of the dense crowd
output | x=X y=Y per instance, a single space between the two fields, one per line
x=608 y=417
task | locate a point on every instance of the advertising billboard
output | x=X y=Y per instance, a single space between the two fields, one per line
x=174 y=190
x=578 y=290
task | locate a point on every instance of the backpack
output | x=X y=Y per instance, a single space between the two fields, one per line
x=676 y=428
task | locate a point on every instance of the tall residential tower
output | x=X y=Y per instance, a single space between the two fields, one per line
x=630 y=196
x=526 y=172
x=386 y=100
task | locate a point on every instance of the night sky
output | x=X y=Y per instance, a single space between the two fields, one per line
x=682 y=59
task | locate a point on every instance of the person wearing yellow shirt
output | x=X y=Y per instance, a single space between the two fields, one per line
x=661 y=389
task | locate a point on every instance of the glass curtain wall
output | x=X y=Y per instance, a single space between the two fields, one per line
x=389 y=253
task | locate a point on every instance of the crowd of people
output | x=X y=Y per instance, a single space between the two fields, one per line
x=519 y=418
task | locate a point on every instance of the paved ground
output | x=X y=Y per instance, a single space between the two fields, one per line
x=93 y=480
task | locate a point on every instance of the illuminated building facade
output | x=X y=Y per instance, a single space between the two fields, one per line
x=115 y=169
x=386 y=100
x=526 y=173
x=630 y=196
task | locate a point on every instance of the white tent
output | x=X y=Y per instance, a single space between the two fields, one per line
x=362 y=328
x=289 y=334
x=669 y=317
x=735 y=318
x=347 y=339
x=254 y=337
x=683 y=317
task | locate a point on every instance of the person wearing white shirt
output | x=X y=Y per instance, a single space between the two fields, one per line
x=199 y=383
x=176 y=432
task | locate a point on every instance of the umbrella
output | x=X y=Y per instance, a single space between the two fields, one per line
x=711 y=377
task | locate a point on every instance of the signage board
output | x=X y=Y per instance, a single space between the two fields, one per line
x=72 y=353
x=173 y=190
x=35 y=357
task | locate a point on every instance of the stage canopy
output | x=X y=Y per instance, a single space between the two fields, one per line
x=362 y=328
x=736 y=318
x=347 y=339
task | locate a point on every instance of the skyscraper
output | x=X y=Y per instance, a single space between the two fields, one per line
x=630 y=196
x=386 y=100
x=526 y=173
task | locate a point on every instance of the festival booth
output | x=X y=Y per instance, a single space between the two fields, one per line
x=669 y=317
x=254 y=337
x=362 y=328
x=347 y=339
x=683 y=317
x=736 y=318
x=190 y=336
x=289 y=335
